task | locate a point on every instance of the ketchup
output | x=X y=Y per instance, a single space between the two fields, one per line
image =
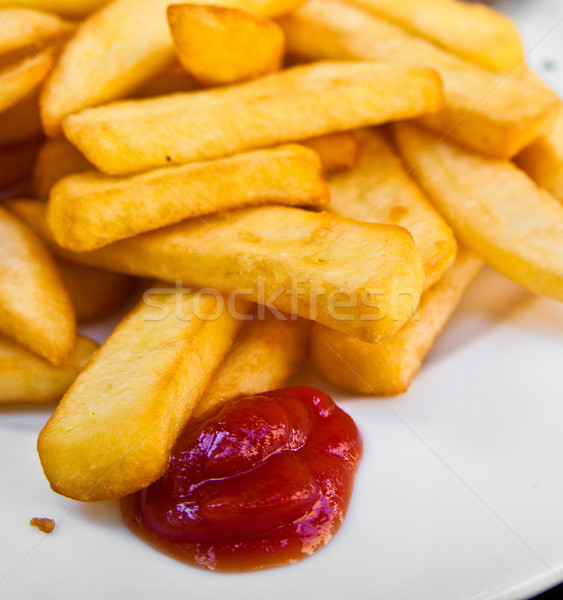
x=264 y=482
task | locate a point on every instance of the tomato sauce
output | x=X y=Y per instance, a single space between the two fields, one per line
x=264 y=482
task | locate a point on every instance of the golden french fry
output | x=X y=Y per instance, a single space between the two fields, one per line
x=116 y=50
x=113 y=431
x=90 y=210
x=17 y=162
x=169 y=81
x=219 y=45
x=20 y=122
x=35 y=308
x=388 y=368
x=493 y=113
x=69 y=8
x=56 y=159
x=473 y=31
x=20 y=78
x=337 y=151
x=26 y=378
x=362 y=278
x=297 y=103
x=23 y=28
x=543 y=160
x=94 y=293
x=266 y=352
x=379 y=190
x=493 y=208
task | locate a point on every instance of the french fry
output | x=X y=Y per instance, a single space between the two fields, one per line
x=476 y=32
x=221 y=46
x=493 y=208
x=90 y=210
x=35 y=308
x=24 y=28
x=116 y=50
x=388 y=368
x=20 y=78
x=94 y=293
x=337 y=151
x=21 y=122
x=492 y=113
x=126 y=137
x=364 y=279
x=543 y=160
x=114 y=429
x=17 y=162
x=69 y=8
x=265 y=354
x=56 y=159
x=26 y=378
x=169 y=81
x=379 y=190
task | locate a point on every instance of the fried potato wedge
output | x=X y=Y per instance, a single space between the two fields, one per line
x=221 y=46
x=23 y=28
x=266 y=352
x=69 y=8
x=543 y=160
x=493 y=208
x=379 y=190
x=116 y=50
x=25 y=377
x=113 y=431
x=90 y=210
x=169 y=81
x=20 y=78
x=362 y=278
x=56 y=159
x=473 y=31
x=94 y=293
x=388 y=368
x=20 y=122
x=496 y=114
x=126 y=137
x=35 y=308
x=338 y=151
x=17 y=162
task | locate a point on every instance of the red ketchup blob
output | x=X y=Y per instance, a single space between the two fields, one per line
x=264 y=482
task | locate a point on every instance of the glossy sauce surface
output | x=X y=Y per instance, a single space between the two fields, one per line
x=264 y=482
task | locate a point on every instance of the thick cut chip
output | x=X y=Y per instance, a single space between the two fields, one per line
x=169 y=81
x=90 y=210
x=26 y=378
x=94 y=293
x=388 y=368
x=21 y=122
x=494 y=209
x=543 y=160
x=35 y=308
x=267 y=351
x=70 y=8
x=362 y=278
x=21 y=78
x=17 y=162
x=56 y=159
x=379 y=190
x=473 y=31
x=337 y=151
x=117 y=49
x=220 y=45
x=113 y=431
x=297 y=103
x=493 y=113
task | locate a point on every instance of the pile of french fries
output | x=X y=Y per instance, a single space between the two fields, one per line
x=316 y=179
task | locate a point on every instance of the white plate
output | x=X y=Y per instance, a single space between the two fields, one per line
x=458 y=496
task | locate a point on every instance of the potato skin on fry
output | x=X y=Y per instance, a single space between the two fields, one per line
x=128 y=137
x=35 y=308
x=493 y=207
x=388 y=368
x=26 y=378
x=114 y=429
x=221 y=46
x=90 y=210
